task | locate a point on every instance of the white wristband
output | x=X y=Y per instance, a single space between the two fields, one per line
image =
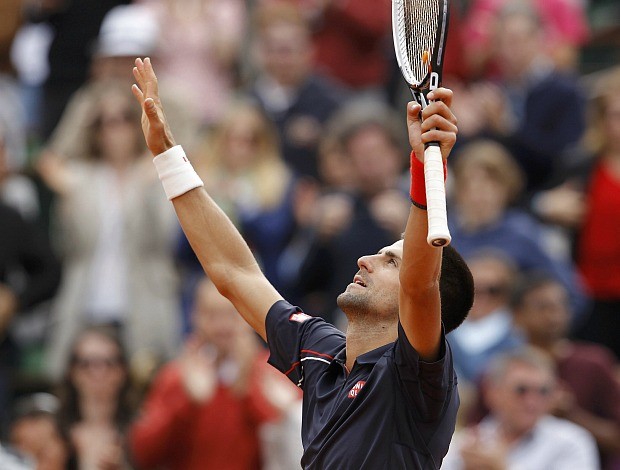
x=176 y=173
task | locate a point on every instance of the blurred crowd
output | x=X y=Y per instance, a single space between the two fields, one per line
x=117 y=353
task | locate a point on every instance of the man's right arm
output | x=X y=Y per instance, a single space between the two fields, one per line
x=225 y=257
x=220 y=248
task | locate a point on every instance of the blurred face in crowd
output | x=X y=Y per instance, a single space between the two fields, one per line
x=519 y=41
x=492 y=280
x=240 y=140
x=38 y=437
x=520 y=397
x=97 y=369
x=113 y=68
x=544 y=314
x=285 y=52
x=481 y=196
x=117 y=129
x=376 y=160
x=216 y=321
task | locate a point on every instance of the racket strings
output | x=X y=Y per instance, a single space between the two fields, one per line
x=417 y=31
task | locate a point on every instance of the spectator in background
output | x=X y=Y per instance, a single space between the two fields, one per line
x=588 y=392
x=16 y=190
x=519 y=432
x=76 y=26
x=598 y=246
x=351 y=41
x=535 y=110
x=95 y=401
x=115 y=232
x=127 y=31
x=241 y=165
x=35 y=433
x=487 y=181
x=206 y=408
x=294 y=97
x=488 y=330
x=348 y=224
x=585 y=203
x=198 y=48
x=564 y=27
x=29 y=275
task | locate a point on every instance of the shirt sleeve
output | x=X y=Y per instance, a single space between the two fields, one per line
x=293 y=336
x=428 y=384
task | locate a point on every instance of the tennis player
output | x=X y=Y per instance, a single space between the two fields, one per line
x=383 y=396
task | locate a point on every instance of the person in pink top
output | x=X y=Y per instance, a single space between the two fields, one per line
x=565 y=27
x=199 y=49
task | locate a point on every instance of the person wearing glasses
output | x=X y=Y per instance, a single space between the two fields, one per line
x=519 y=432
x=96 y=400
x=488 y=329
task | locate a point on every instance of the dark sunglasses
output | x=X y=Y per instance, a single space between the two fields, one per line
x=96 y=362
x=115 y=120
x=522 y=390
x=492 y=290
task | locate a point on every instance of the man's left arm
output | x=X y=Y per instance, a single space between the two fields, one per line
x=420 y=306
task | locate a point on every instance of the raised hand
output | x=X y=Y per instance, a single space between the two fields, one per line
x=154 y=124
x=438 y=123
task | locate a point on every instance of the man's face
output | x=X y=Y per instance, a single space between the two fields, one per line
x=285 y=52
x=492 y=280
x=521 y=398
x=518 y=42
x=544 y=313
x=374 y=289
x=216 y=321
x=375 y=160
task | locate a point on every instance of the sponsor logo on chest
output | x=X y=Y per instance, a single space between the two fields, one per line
x=356 y=389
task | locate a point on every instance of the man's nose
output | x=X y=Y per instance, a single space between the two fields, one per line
x=365 y=262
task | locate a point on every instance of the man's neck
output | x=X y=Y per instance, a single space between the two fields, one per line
x=363 y=337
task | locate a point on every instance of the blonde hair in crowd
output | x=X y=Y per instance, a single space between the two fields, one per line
x=267 y=173
x=496 y=160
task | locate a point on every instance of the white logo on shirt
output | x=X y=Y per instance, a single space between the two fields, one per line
x=299 y=317
x=356 y=389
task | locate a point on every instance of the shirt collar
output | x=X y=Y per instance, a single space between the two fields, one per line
x=371 y=357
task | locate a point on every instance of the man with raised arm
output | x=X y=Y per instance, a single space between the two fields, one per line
x=384 y=395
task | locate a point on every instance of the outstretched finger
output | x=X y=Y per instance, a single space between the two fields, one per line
x=414 y=128
x=138 y=94
x=138 y=72
x=150 y=78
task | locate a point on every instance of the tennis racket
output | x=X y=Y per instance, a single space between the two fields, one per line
x=420 y=29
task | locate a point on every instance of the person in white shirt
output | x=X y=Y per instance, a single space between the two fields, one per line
x=519 y=432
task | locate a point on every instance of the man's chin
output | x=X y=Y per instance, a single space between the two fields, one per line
x=349 y=301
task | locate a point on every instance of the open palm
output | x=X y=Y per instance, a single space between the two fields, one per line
x=154 y=124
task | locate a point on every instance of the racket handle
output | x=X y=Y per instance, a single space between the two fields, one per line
x=438 y=233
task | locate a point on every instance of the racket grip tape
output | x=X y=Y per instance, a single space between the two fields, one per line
x=434 y=178
x=417 y=191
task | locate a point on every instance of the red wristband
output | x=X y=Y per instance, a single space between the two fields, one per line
x=417 y=191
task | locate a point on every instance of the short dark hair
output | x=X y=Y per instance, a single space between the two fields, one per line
x=456 y=289
x=530 y=282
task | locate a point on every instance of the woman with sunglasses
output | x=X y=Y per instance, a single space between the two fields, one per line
x=96 y=401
